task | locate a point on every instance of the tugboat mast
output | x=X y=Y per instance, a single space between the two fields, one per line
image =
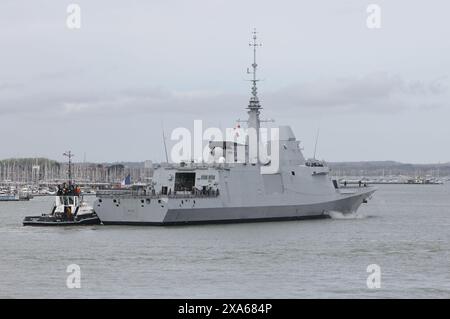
x=254 y=106
x=69 y=154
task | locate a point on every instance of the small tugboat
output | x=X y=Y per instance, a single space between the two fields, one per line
x=69 y=209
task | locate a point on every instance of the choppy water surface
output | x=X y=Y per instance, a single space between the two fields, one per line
x=405 y=229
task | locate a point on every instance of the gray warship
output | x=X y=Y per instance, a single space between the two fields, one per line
x=191 y=192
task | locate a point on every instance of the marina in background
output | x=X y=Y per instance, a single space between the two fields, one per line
x=25 y=178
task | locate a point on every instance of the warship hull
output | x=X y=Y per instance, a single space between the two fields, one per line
x=132 y=211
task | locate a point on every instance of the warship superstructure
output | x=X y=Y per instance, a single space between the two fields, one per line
x=240 y=191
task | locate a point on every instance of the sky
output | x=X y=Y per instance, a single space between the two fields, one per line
x=106 y=89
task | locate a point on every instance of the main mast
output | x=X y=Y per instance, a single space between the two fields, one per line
x=69 y=155
x=254 y=107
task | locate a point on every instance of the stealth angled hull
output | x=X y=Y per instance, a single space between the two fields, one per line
x=179 y=211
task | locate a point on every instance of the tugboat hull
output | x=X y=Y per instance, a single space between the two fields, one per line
x=89 y=219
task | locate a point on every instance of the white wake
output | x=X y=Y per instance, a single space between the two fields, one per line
x=340 y=215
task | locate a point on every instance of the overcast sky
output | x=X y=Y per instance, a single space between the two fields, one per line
x=104 y=89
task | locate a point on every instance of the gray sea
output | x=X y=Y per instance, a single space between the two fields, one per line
x=404 y=230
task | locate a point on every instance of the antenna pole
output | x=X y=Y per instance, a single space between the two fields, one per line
x=315 y=145
x=254 y=101
x=164 y=142
x=69 y=155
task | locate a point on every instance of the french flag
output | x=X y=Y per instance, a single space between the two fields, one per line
x=126 y=181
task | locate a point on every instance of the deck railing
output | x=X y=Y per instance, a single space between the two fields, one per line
x=144 y=194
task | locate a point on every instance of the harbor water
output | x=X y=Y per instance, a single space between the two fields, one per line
x=404 y=229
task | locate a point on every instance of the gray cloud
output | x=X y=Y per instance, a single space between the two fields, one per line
x=127 y=102
x=5 y=86
x=379 y=92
